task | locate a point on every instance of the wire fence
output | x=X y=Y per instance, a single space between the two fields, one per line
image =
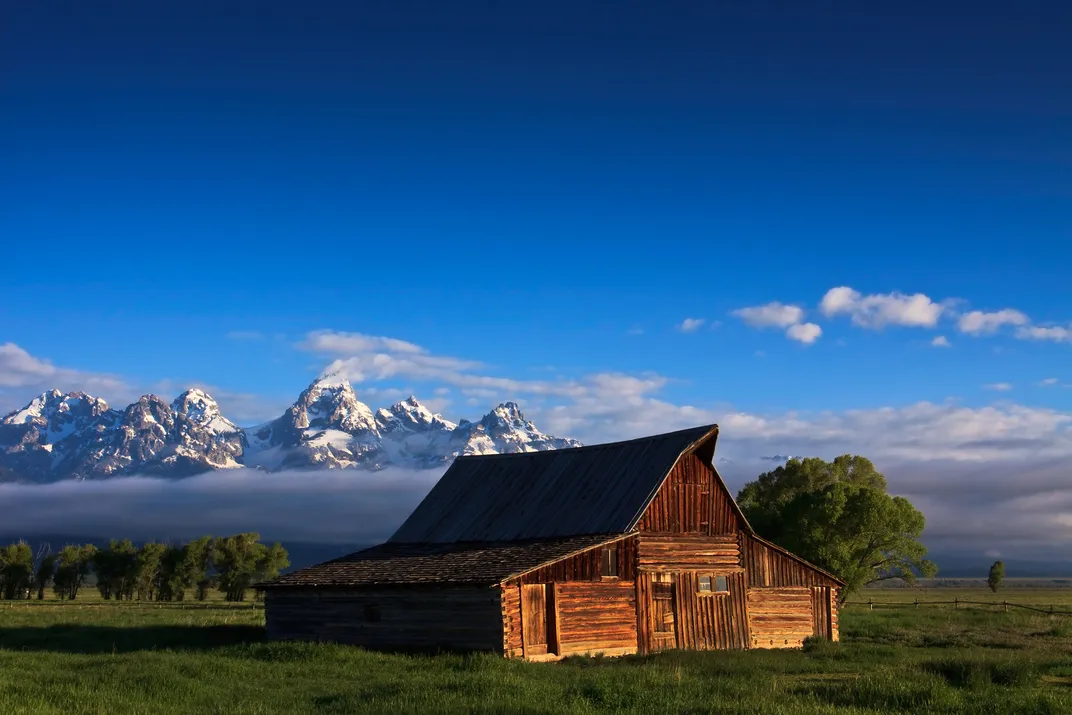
x=173 y=605
x=956 y=603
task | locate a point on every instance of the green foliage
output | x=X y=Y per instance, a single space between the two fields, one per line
x=241 y=560
x=44 y=573
x=838 y=516
x=74 y=564
x=16 y=570
x=996 y=576
x=150 y=572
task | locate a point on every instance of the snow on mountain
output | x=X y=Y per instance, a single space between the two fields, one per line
x=76 y=436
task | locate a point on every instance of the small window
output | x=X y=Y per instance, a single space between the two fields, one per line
x=705 y=584
x=721 y=584
x=372 y=612
x=609 y=564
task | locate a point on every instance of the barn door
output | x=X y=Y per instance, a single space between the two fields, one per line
x=538 y=622
x=820 y=601
x=663 y=632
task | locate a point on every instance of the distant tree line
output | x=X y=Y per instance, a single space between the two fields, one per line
x=150 y=572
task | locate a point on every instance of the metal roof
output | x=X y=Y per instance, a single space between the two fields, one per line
x=601 y=489
x=483 y=563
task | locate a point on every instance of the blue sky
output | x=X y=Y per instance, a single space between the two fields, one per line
x=549 y=189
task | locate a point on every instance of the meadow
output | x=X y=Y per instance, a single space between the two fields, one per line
x=94 y=657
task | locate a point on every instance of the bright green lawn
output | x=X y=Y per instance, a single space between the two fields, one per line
x=126 y=658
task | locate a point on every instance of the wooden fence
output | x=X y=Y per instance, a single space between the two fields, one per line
x=871 y=604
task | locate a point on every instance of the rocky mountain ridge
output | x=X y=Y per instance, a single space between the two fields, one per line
x=60 y=436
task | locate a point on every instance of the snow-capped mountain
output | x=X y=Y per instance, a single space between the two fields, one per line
x=76 y=436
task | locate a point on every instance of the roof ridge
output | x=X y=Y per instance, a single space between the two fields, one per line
x=590 y=447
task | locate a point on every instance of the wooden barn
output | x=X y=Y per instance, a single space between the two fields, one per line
x=630 y=547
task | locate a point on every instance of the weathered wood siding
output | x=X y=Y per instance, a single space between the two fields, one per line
x=780 y=617
x=691 y=500
x=585 y=566
x=770 y=567
x=407 y=617
x=511 y=620
x=597 y=617
x=710 y=621
x=687 y=552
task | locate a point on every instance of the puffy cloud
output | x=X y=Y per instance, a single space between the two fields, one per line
x=977 y=322
x=771 y=315
x=689 y=325
x=806 y=333
x=941 y=342
x=26 y=373
x=1055 y=333
x=881 y=309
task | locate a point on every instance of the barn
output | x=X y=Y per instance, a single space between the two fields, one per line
x=628 y=547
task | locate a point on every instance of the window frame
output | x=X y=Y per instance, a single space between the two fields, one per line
x=713 y=582
x=608 y=563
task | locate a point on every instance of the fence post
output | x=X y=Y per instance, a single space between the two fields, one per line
x=870 y=605
x=917 y=602
x=1006 y=604
x=956 y=603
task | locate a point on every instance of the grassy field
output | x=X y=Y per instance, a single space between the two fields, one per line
x=84 y=657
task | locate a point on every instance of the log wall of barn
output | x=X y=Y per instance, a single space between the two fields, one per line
x=686 y=552
x=768 y=566
x=585 y=566
x=396 y=617
x=710 y=621
x=780 y=617
x=691 y=500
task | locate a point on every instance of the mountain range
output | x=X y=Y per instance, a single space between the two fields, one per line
x=73 y=435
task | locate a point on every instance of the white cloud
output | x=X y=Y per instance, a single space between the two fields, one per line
x=881 y=309
x=689 y=325
x=19 y=370
x=941 y=342
x=998 y=386
x=1049 y=382
x=1056 y=333
x=806 y=333
x=771 y=315
x=978 y=322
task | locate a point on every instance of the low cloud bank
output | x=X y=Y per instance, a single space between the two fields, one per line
x=327 y=506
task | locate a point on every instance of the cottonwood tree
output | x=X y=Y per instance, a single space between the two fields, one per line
x=117 y=569
x=838 y=516
x=74 y=564
x=45 y=570
x=241 y=560
x=147 y=569
x=996 y=576
x=16 y=570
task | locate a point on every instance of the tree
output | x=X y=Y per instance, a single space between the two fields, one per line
x=74 y=565
x=116 y=568
x=241 y=560
x=838 y=516
x=44 y=570
x=147 y=569
x=996 y=576
x=16 y=570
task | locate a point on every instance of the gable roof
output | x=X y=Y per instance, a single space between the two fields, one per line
x=480 y=563
x=601 y=489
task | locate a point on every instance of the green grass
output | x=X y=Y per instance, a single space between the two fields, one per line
x=130 y=658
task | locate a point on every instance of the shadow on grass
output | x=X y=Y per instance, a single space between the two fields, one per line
x=71 y=638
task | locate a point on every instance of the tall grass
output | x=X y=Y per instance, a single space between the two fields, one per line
x=116 y=660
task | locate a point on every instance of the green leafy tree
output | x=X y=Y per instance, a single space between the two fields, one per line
x=44 y=573
x=996 y=576
x=116 y=568
x=148 y=563
x=241 y=560
x=74 y=564
x=838 y=516
x=16 y=570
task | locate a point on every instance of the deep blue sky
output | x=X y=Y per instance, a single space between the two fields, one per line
x=532 y=185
